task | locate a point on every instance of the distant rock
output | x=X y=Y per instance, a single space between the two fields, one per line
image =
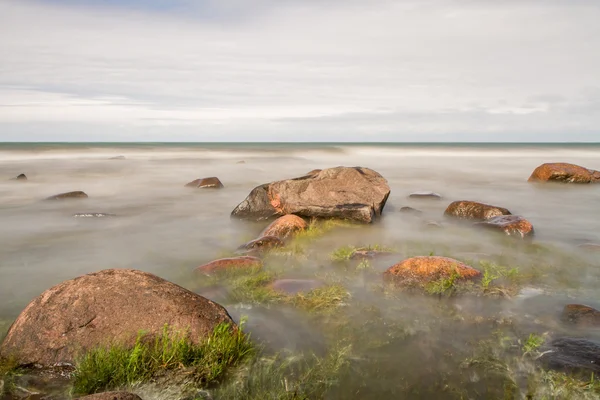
x=369 y=254
x=206 y=183
x=356 y=193
x=579 y=314
x=295 y=286
x=425 y=195
x=571 y=355
x=111 y=396
x=512 y=225
x=117 y=158
x=260 y=245
x=241 y=162
x=473 y=210
x=108 y=306
x=590 y=246
x=565 y=173
x=230 y=263
x=410 y=210
x=94 y=215
x=286 y=226
x=68 y=195
x=20 y=177
x=424 y=269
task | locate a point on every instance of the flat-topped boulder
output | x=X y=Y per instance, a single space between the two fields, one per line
x=564 y=173
x=229 y=263
x=511 y=225
x=352 y=193
x=286 y=226
x=107 y=307
x=68 y=195
x=425 y=269
x=425 y=195
x=206 y=183
x=464 y=209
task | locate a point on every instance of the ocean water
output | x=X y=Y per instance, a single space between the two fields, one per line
x=167 y=229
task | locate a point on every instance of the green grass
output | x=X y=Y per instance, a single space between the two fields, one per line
x=446 y=286
x=117 y=366
x=344 y=253
x=254 y=289
x=532 y=344
x=320 y=300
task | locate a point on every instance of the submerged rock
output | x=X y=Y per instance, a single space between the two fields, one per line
x=206 y=183
x=425 y=195
x=261 y=244
x=20 y=177
x=111 y=396
x=230 y=263
x=69 y=195
x=410 y=210
x=117 y=158
x=590 y=246
x=369 y=254
x=93 y=215
x=295 y=286
x=426 y=269
x=571 y=355
x=284 y=227
x=512 y=225
x=241 y=162
x=473 y=210
x=110 y=306
x=565 y=173
x=355 y=193
x=579 y=314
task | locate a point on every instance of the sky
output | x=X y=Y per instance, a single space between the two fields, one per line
x=300 y=70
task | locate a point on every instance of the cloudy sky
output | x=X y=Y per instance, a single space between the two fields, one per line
x=300 y=70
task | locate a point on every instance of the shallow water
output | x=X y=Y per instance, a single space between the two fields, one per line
x=164 y=228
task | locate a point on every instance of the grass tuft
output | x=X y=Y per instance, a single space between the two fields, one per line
x=118 y=366
x=320 y=300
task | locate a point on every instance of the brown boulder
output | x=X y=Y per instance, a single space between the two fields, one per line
x=427 y=269
x=206 y=183
x=111 y=396
x=425 y=195
x=512 y=225
x=295 y=286
x=285 y=226
x=110 y=306
x=473 y=210
x=260 y=245
x=579 y=314
x=230 y=263
x=564 y=172
x=349 y=193
x=69 y=195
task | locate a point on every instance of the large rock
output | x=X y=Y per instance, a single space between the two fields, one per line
x=420 y=270
x=473 y=210
x=579 y=314
x=350 y=193
x=105 y=307
x=206 y=183
x=284 y=227
x=564 y=172
x=224 y=264
x=111 y=396
x=69 y=195
x=512 y=225
x=571 y=355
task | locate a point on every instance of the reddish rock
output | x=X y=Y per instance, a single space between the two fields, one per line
x=427 y=269
x=111 y=396
x=425 y=195
x=512 y=225
x=260 y=245
x=473 y=210
x=284 y=227
x=110 y=306
x=69 y=195
x=565 y=173
x=356 y=193
x=230 y=263
x=579 y=314
x=295 y=286
x=206 y=183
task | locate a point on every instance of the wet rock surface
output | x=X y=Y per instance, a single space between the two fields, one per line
x=284 y=227
x=426 y=269
x=295 y=286
x=582 y=315
x=564 y=173
x=425 y=195
x=355 y=193
x=260 y=245
x=410 y=210
x=206 y=183
x=112 y=396
x=473 y=210
x=68 y=195
x=571 y=355
x=93 y=215
x=230 y=263
x=511 y=225
x=110 y=305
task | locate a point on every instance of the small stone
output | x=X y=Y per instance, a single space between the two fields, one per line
x=68 y=195
x=93 y=215
x=410 y=210
x=206 y=183
x=117 y=158
x=261 y=244
x=465 y=209
x=512 y=225
x=230 y=263
x=20 y=177
x=284 y=227
x=369 y=254
x=425 y=195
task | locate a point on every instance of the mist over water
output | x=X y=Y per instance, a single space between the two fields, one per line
x=166 y=229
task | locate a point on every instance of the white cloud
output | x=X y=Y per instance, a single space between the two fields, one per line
x=302 y=70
